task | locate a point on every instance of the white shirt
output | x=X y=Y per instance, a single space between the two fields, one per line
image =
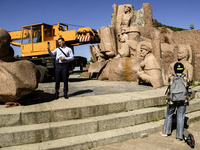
x=58 y=53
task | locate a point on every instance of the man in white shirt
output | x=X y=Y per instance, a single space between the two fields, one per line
x=64 y=55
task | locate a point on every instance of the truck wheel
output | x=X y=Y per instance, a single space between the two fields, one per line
x=43 y=72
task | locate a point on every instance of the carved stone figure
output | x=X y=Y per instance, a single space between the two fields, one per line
x=184 y=55
x=129 y=40
x=128 y=29
x=150 y=70
x=126 y=16
x=17 y=78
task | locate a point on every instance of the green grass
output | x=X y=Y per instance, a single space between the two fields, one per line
x=154 y=120
x=193 y=84
x=89 y=147
x=39 y=141
x=197 y=120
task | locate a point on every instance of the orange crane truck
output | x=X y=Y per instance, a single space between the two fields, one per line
x=33 y=40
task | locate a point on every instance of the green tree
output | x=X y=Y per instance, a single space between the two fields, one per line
x=192 y=26
x=90 y=61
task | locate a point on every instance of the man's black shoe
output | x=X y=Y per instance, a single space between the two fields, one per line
x=56 y=95
x=66 y=97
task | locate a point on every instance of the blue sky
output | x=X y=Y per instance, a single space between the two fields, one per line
x=92 y=13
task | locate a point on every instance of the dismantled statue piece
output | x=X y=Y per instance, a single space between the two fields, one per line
x=106 y=49
x=17 y=79
x=96 y=54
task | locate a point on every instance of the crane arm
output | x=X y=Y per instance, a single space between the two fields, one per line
x=15 y=35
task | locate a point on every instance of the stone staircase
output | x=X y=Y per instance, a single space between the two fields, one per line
x=86 y=122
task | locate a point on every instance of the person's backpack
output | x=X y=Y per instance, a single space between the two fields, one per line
x=178 y=90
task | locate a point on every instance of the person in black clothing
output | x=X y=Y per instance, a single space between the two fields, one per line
x=64 y=55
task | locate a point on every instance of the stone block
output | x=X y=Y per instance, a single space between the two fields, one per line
x=196 y=62
x=85 y=74
x=108 y=137
x=10 y=116
x=143 y=135
x=35 y=114
x=72 y=143
x=72 y=128
x=194 y=105
x=17 y=79
x=96 y=67
x=24 y=135
x=115 y=121
x=134 y=104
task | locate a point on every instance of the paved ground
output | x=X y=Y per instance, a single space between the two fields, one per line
x=157 y=142
x=85 y=87
x=80 y=87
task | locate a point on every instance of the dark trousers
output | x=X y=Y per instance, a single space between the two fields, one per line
x=62 y=74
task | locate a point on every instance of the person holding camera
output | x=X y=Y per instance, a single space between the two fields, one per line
x=64 y=55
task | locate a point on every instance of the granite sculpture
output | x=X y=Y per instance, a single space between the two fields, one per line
x=122 y=40
x=150 y=70
x=17 y=78
x=184 y=55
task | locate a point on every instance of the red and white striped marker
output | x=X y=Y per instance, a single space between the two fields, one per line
x=84 y=38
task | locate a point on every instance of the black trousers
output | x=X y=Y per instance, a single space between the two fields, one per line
x=62 y=74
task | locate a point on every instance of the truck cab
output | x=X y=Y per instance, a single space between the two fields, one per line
x=35 y=38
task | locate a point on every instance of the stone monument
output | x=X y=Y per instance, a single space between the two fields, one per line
x=118 y=55
x=17 y=78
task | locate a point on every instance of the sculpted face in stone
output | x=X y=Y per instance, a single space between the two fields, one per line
x=183 y=53
x=143 y=51
x=184 y=56
x=127 y=9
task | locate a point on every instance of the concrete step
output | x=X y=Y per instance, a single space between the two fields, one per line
x=18 y=135
x=55 y=130
x=80 y=107
x=89 y=141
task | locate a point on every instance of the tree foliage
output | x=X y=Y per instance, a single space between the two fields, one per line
x=157 y=24
x=192 y=26
x=90 y=61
